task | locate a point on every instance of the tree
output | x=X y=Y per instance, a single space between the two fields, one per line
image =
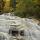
x=1 y=6
x=27 y=8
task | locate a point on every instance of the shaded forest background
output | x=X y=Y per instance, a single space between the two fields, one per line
x=22 y=8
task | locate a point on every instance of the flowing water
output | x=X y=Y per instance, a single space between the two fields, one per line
x=31 y=29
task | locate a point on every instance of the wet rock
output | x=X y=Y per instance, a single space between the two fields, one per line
x=39 y=23
x=13 y=31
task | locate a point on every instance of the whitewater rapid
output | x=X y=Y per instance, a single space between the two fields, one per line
x=31 y=29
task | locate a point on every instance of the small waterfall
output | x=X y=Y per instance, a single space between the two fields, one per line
x=31 y=29
x=32 y=32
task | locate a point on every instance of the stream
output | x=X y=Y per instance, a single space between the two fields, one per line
x=31 y=29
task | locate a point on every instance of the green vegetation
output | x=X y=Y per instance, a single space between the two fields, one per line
x=24 y=8
x=28 y=8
